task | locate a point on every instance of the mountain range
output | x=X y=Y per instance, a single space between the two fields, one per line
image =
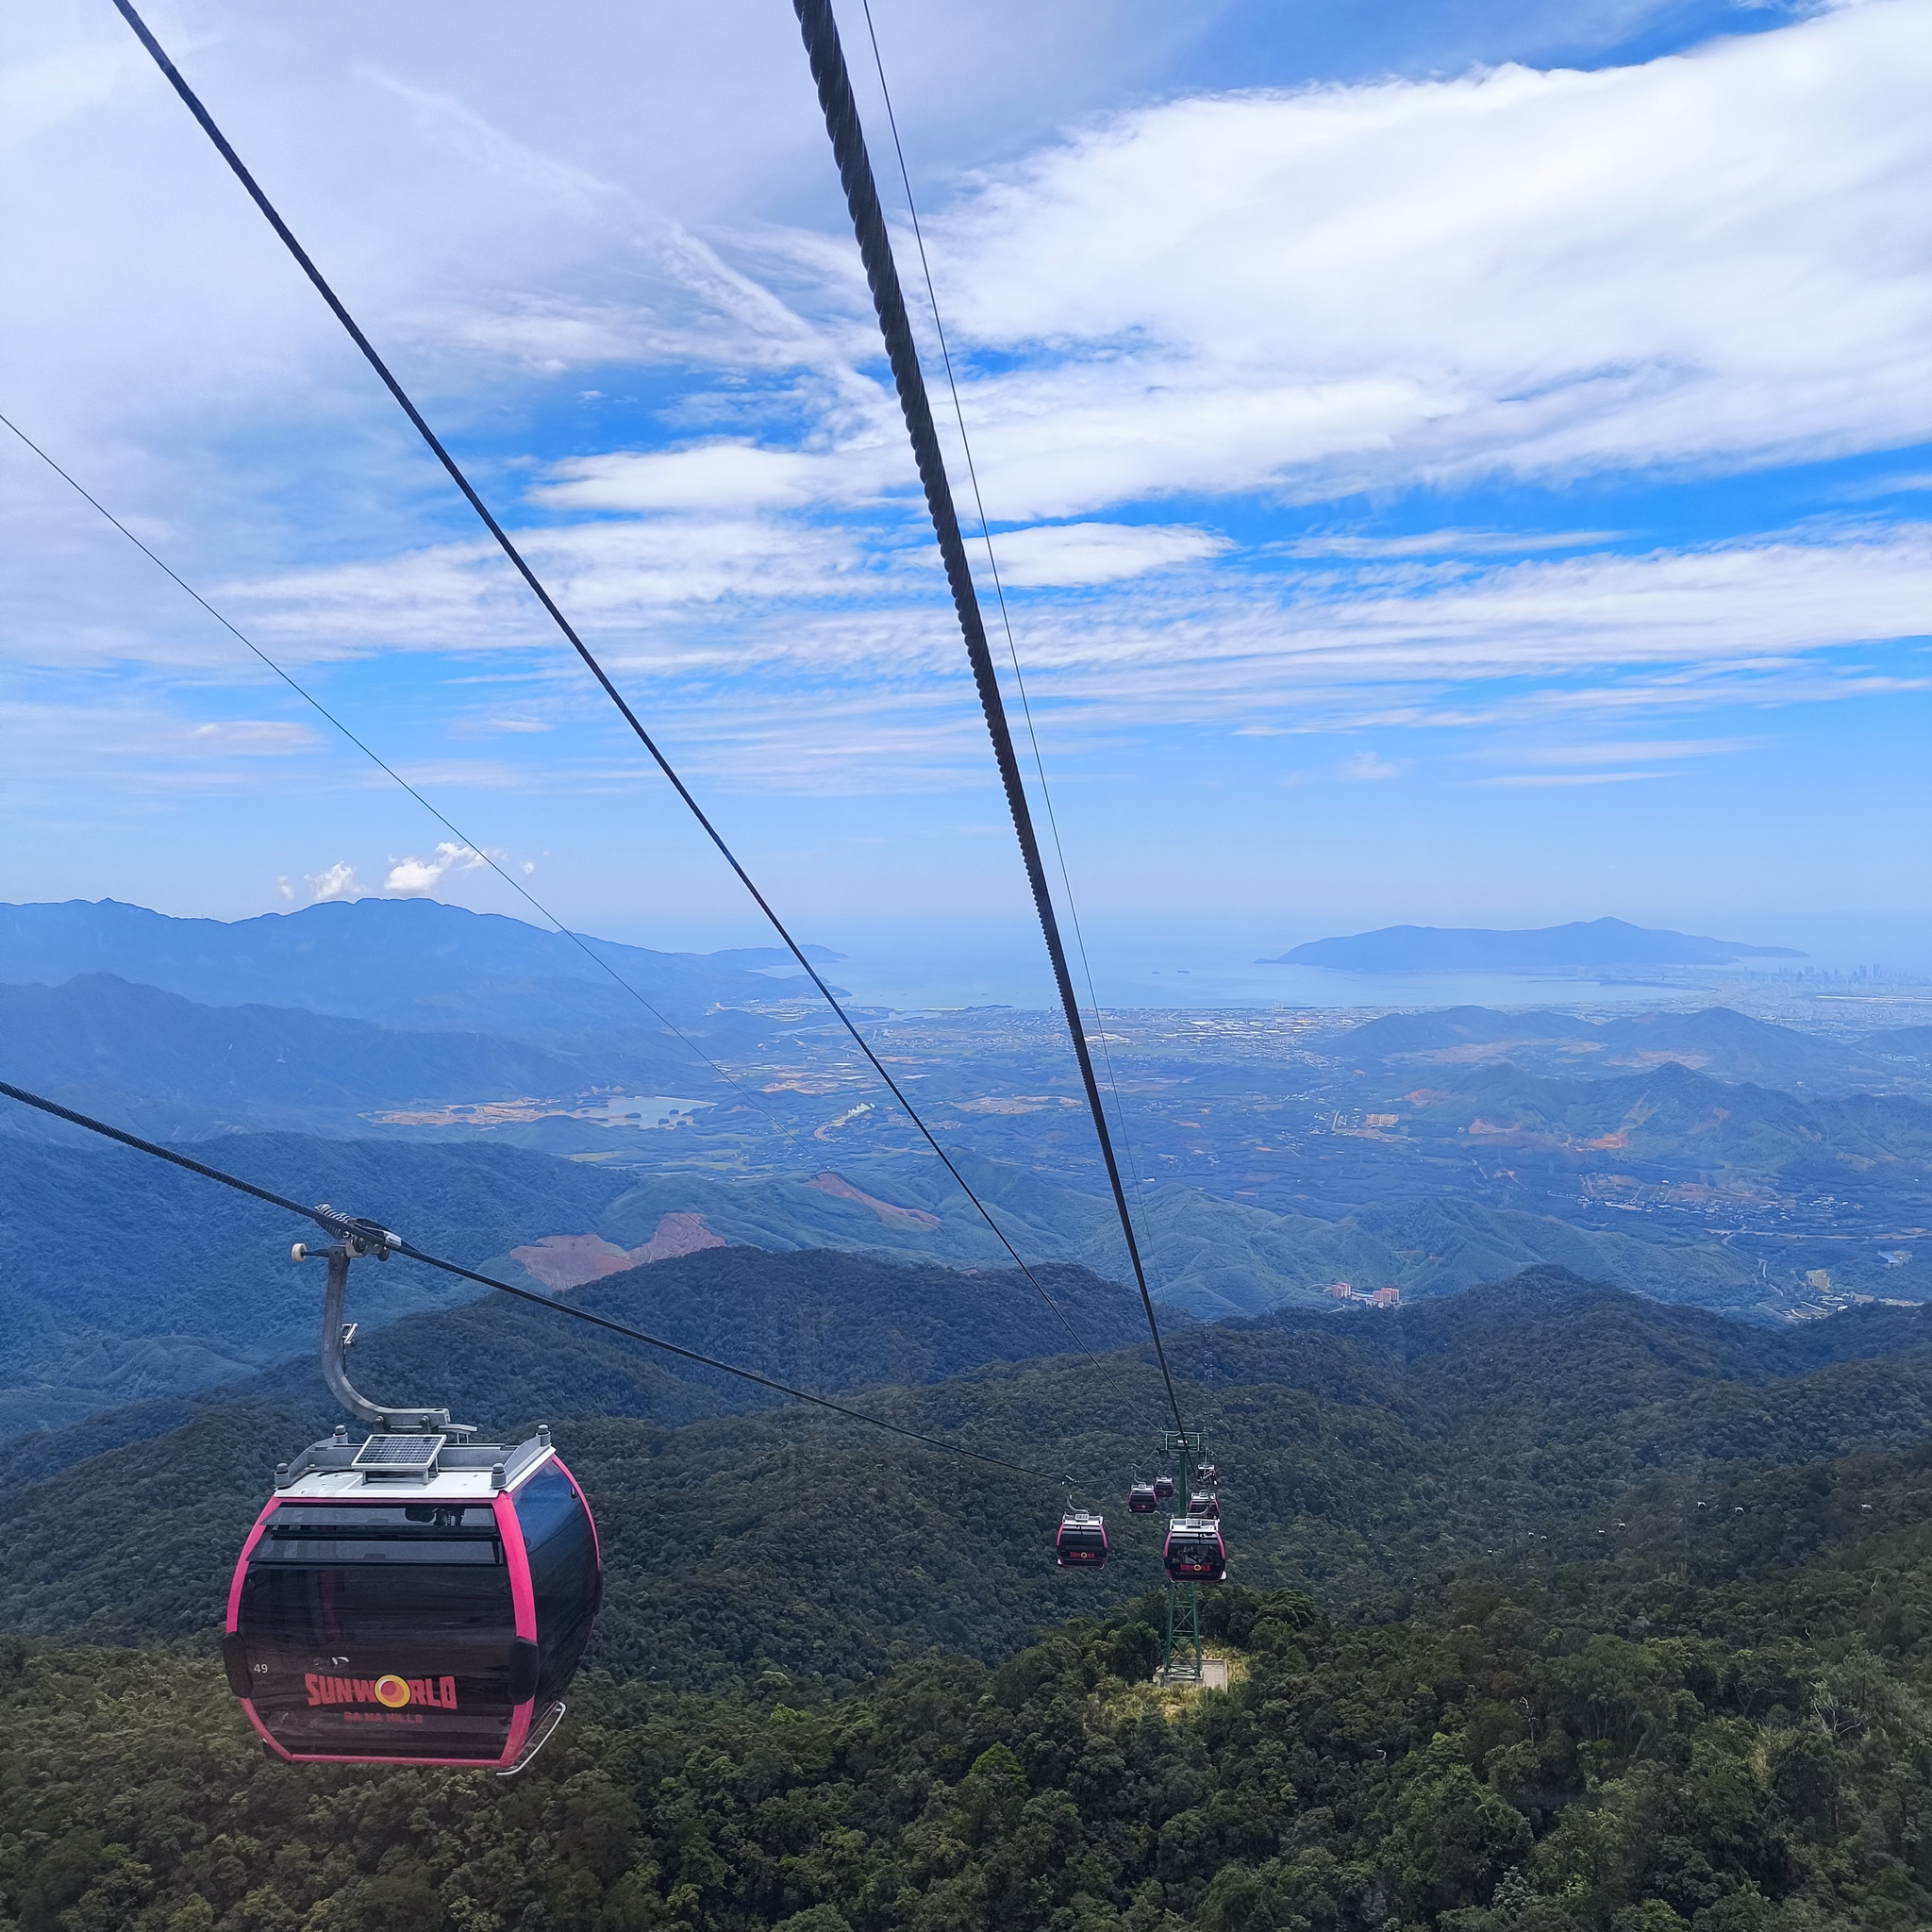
x=414 y=964
x=1451 y=1166
x=119 y=1278
x=1707 y=1158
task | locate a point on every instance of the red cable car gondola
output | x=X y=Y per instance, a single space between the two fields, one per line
x=432 y=1617
x=1163 y=1487
x=1081 y=1541
x=1193 y=1552
x=1141 y=1499
x=414 y=1598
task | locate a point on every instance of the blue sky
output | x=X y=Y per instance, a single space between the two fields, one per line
x=1455 y=463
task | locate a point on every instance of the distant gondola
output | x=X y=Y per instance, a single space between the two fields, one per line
x=1141 y=1499
x=1204 y=1502
x=1194 y=1552
x=1081 y=1543
x=1163 y=1487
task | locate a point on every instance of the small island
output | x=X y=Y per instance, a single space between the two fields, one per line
x=1585 y=945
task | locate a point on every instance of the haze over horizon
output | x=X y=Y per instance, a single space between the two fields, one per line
x=927 y=964
x=1443 y=470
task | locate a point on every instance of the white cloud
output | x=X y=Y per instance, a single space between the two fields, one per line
x=861 y=686
x=465 y=596
x=502 y=725
x=1382 y=644
x=1886 y=485
x=337 y=881
x=1536 y=272
x=731 y=477
x=1072 y=555
x=408 y=876
x=1264 y=292
x=125 y=735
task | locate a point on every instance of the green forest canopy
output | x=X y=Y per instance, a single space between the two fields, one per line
x=1734 y=1742
x=1553 y=1611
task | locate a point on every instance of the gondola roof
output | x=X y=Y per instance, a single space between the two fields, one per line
x=417 y=1470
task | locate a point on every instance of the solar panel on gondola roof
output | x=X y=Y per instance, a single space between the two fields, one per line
x=399 y=1455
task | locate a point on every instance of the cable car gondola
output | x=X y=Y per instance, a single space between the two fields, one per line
x=1204 y=1502
x=1081 y=1542
x=1193 y=1552
x=1163 y=1487
x=413 y=1598
x=1141 y=1499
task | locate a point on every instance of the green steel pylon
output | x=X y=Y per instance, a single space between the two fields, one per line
x=1180 y=1654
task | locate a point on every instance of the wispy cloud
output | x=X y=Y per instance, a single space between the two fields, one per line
x=735 y=478
x=717 y=595
x=1536 y=779
x=1365 y=766
x=865 y=654
x=1908 y=484
x=1447 y=544
x=254 y=736
x=1625 y=751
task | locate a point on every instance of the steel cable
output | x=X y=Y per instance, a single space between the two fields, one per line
x=999 y=592
x=827 y=58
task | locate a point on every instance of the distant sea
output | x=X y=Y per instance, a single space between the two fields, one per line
x=1201 y=974
x=1169 y=963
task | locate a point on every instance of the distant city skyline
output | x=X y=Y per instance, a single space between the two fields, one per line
x=1445 y=467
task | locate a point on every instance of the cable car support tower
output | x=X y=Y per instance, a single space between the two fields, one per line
x=1180 y=1650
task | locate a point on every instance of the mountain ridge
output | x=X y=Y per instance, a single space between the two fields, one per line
x=415 y=963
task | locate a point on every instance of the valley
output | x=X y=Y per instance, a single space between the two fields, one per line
x=1692 y=1152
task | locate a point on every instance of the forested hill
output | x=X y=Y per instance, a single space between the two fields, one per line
x=120 y=1275
x=1362 y=1455
x=1696 y=1707
x=815 y=1319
